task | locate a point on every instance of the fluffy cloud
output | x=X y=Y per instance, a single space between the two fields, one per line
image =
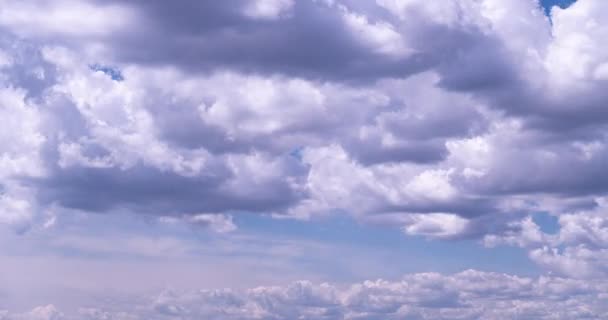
x=579 y=248
x=466 y=295
x=449 y=120
x=48 y=312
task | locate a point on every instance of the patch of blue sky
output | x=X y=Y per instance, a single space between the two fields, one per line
x=297 y=153
x=335 y=248
x=546 y=222
x=113 y=72
x=548 y=4
x=406 y=253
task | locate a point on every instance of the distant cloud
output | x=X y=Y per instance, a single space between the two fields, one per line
x=467 y=295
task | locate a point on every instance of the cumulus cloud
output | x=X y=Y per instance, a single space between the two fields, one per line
x=297 y=108
x=469 y=294
x=447 y=120
x=577 y=249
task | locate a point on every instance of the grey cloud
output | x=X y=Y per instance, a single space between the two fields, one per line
x=149 y=190
x=27 y=69
x=372 y=152
x=310 y=41
x=548 y=169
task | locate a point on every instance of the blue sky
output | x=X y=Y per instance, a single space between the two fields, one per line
x=280 y=159
x=548 y=4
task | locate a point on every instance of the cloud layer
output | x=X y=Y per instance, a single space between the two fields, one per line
x=467 y=295
x=161 y=111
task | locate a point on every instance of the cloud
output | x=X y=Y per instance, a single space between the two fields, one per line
x=222 y=35
x=217 y=222
x=578 y=249
x=48 y=312
x=469 y=294
x=449 y=120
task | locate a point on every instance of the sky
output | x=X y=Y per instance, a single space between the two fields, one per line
x=312 y=159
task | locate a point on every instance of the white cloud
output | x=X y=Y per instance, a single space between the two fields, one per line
x=268 y=9
x=48 y=312
x=435 y=225
x=381 y=36
x=399 y=145
x=63 y=18
x=577 y=51
x=466 y=295
x=216 y=222
x=578 y=249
